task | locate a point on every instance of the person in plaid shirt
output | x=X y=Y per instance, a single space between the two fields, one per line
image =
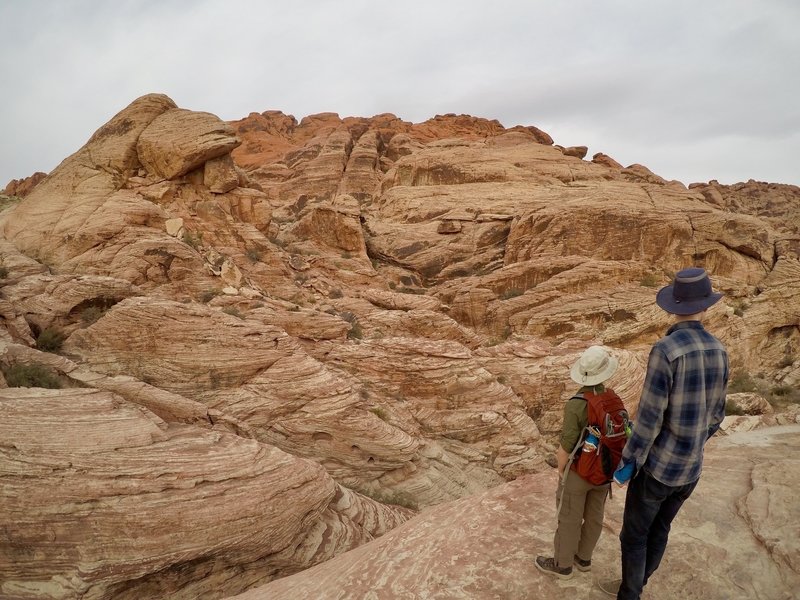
x=681 y=407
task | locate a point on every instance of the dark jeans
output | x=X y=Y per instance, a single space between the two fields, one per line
x=650 y=507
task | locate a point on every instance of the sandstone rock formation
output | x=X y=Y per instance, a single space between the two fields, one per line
x=125 y=505
x=390 y=308
x=23 y=187
x=736 y=537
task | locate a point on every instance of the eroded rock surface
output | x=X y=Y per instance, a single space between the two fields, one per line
x=105 y=500
x=742 y=517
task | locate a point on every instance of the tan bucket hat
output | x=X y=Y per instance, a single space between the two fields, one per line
x=594 y=366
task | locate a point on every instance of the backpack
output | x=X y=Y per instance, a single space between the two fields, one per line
x=608 y=417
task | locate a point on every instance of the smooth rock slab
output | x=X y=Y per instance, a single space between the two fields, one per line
x=736 y=537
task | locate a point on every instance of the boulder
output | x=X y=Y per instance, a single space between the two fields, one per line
x=576 y=151
x=179 y=141
x=750 y=403
x=220 y=174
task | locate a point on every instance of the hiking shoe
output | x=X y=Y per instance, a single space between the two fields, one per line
x=583 y=565
x=610 y=586
x=548 y=565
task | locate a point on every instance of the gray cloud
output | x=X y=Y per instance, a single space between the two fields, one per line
x=695 y=91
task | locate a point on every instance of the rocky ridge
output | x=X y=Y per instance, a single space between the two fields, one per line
x=384 y=310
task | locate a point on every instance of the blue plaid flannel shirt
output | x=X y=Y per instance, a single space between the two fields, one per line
x=682 y=404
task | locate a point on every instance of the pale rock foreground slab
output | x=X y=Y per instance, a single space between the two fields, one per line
x=737 y=537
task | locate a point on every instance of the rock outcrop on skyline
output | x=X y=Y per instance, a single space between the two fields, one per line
x=300 y=334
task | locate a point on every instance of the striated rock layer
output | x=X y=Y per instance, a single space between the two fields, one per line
x=103 y=500
x=742 y=518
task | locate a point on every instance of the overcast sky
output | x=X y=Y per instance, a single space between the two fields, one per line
x=695 y=90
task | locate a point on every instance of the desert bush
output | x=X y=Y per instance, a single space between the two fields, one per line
x=233 y=311
x=511 y=293
x=254 y=254
x=33 y=375
x=731 y=408
x=50 y=340
x=408 y=290
x=355 y=332
x=90 y=314
x=649 y=280
x=207 y=296
x=786 y=361
x=742 y=381
x=779 y=396
x=782 y=395
x=395 y=498
x=279 y=242
x=380 y=413
x=3 y=272
x=739 y=306
x=336 y=293
x=194 y=240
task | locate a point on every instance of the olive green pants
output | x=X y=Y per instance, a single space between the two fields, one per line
x=580 y=520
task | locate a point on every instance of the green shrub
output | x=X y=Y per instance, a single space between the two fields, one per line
x=194 y=240
x=355 y=332
x=408 y=290
x=279 y=242
x=50 y=340
x=649 y=280
x=739 y=306
x=731 y=408
x=254 y=254
x=380 y=413
x=33 y=375
x=336 y=293
x=3 y=272
x=742 y=381
x=90 y=314
x=511 y=293
x=208 y=295
x=779 y=396
x=395 y=498
x=233 y=311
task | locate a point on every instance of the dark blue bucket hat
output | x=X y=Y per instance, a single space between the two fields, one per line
x=689 y=293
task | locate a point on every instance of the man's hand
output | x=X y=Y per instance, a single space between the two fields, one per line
x=623 y=473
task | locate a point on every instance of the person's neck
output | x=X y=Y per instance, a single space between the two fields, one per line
x=695 y=317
